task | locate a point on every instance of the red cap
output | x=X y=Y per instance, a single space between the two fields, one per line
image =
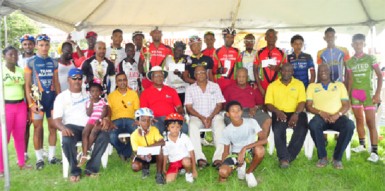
x=91 y=34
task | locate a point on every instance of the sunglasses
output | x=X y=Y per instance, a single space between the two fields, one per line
x=42 y=37
x=125 y=106
x=77 y=78
x=249 y=40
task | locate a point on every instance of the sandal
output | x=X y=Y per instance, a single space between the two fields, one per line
x=322 y=162
x=202 y=163
x=337 y=164
x=93 y=175
x=83 y=161
x=74 y=178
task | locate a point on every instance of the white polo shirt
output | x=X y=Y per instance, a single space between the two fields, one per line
x=178 y=150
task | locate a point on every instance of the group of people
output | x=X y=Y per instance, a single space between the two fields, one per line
x=162 y=97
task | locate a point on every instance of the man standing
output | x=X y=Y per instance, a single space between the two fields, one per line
x=204 y=102
x=80 y=55
x=285 y=98
x=137 y=38
x=70 y=117
x=329 y=101
x=116 y=52
x=269 y=61
x=248 y=58
x=227 y=60
x=209 y=39
x=66 y=63
x=42 y=72
x=123 y=103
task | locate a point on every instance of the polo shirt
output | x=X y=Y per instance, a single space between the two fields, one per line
x=285 y=97
x=179 y=149
x=158 y=54
x=13 y=83
x=334 y=58
x=42 y=71
x=248 y=97
x=162 y=102
x=123 y=105
x=301 y=65
x=209 y=52
x=137 y=140
x=193 y=61
x=266 y=75
x=327 y=100
x=248 y=59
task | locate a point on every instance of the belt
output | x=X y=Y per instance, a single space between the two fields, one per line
x=13 y=101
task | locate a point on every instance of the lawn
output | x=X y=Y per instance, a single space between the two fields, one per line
x=358 y=174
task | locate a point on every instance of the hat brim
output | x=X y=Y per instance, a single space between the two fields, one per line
x=148 y=75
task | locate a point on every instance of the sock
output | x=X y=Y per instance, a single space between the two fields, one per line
x=362 y=142
x=374 y=149
x=51 y=152
x=39 y=154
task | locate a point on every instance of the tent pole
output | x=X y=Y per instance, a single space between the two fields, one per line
x=5 y=32
x=7 y=184
x=235 y=15
x=373 y=36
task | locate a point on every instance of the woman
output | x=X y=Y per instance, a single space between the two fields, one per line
x=15 y=107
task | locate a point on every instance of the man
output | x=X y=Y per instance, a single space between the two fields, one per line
x=137 y=38
x=161 y=99
x=130 y=67
x=285 y=98
x=157 y=52
x=302 y=62
x=209 y=39
x=99 y=67
x=28 y=44
x=196 y=59
x=329 y=101
x=42 y=71
x=334 y=56
x=66 y=63
x=250 y=99
x=227 y=60
x=80 y=55
x=70 y=117
x=248 y=58
x=204 y=102
x=116 y=52
x=269 y=61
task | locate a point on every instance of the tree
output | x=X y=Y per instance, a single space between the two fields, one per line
x=17 y=25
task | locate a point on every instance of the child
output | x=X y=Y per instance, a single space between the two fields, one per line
x=360 y=86
x=241 y=136
x=96 y=109
x=130 y=67
x=145 y=136
x=178 y=150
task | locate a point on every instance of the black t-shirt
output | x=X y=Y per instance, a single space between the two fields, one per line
x=193 y=62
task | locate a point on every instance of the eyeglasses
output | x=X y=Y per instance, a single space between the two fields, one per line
x=77 y=78
x=249 y=40
x=42 y=37
x=125 y=106
x=158 y=76
x=200 y=72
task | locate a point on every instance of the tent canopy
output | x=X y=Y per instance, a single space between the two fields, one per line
x=103 y=16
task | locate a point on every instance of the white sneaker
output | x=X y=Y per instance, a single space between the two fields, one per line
x=241 y=171
x=359 y=149
x=373 y=157
x=189 y=177
x=251 y=181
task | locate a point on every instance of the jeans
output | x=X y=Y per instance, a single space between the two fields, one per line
x=160 y=125
x=124 y=125
x=343 y=125
x=279 y=128
x=70 y=150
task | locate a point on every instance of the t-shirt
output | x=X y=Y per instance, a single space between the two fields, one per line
x=334 y=58
x=63 y=74
x=229 y=58
x=120 y=55
x=301 y=65
x=137 y=140
x=178 y=150
x=123 y=106
x=173 y=80
x=266 y=75
x=327 y=100
x=71 y=108
x=158 y=54
x=248 y=62
x=132 y=73
x=209 y=52
x=362 y=69
x=162 y=102
x=97 y=109
x=13 y=83
x=42 y=70
x=22 y=62
x=193 y=61
x=248 y=97
x=238 y=137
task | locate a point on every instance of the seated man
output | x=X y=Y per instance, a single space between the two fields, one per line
x=70 y=117
x=204 y=102
x=241 y=136
x=251 y=100
x=285 y=98
x=329 y=101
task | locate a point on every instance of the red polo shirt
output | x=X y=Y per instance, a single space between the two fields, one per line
x=247 y=97
x=161 y=102
x=209 y=52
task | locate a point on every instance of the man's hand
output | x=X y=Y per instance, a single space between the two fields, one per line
x=333 y=118
x=293 y=120
x=106 y=123
x=376 y=99
x=253 y=111
x=35 y=109
x=178 y=73
x=241 y=157
x=195 y=173
x=324 y=116
x=281 y=116
x=209 y=120
x=67 y=132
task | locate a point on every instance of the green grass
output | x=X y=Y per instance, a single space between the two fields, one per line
x=358 y=174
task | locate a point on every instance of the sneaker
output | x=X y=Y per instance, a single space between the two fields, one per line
x=159 y=178
x=373 y=157
x=251 y=181
x=54 y=160
x=284 y=164
x=337 y=164
x=359 y=149
x=189 y=177
x=145 y=173
x=322 y=162
x=39 y=165
x=45 y=153
x=241 y=171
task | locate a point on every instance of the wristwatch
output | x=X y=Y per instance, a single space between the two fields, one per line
x=340 y=114
x=297 y=112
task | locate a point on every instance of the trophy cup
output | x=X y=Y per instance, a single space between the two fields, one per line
x=147 y=56
x=113 y=55
x=36 y=96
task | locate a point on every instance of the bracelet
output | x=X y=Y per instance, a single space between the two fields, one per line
x=30 y=105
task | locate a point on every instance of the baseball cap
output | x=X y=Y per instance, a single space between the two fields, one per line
x=91 y=34
x=74 y=71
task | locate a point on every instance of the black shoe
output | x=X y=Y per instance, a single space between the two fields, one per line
x=54 y=160
x=159 y=178
x=39 y=165
x=145 y=173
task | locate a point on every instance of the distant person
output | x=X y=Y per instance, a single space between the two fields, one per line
x=130 y=67
x=209 y=39
x=80 y=55
x=115 y=53
x=66 y=63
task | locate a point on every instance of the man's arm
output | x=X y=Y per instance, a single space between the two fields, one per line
x=376 y=97
x=345 y=108
x=226 y=152
x=60 y=126
x=141 y=67
x=280 y=114
x=312 y=75
x=258 y=80
x=186 y=77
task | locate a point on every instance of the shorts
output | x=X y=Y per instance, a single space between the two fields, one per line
x=92 y=121
x=362 y=98
x=174 y=167
x=47 y=100
x=260 y=116
x=232 y=160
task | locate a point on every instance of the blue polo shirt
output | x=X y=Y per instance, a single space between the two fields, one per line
x=301 y=64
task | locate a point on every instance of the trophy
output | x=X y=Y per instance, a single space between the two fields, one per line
x=147 y=56
x=100 y=73
x=113 y=55
x=36 y=96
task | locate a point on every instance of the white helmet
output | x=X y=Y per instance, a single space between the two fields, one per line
x=229 y=30
x=143 y=112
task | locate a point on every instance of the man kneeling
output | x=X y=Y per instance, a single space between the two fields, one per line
x=241 y=135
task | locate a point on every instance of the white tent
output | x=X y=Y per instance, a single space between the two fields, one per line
x=349 y=16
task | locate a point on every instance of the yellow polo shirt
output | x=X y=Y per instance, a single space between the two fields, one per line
x=123 y=106
x=285 y=98
x=327 y=100
x=138 y=140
